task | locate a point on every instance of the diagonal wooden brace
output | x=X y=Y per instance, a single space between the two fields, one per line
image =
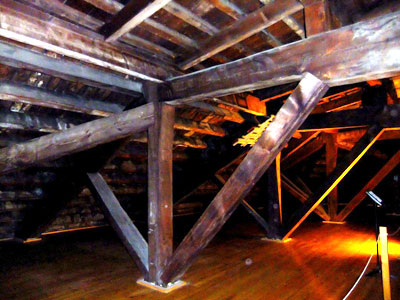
x=288 y=120
x=119 y=220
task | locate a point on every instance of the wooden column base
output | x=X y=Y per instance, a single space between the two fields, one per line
x=334 y=222
x=276 y=240
x=169 y=288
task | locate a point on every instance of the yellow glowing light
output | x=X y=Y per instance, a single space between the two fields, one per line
x=334 y=184
x=73 y=229
x=252 y=137
x=334 y=222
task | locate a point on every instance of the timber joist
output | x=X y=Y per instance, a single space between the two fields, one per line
x=76 y=76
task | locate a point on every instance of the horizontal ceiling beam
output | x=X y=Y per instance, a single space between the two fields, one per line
x=27 y=25
x=335 y=56
x=20 y=93
x=19 y=57
x=76 y=139
x=15 y=92
x=242 y=29
x=134 y=13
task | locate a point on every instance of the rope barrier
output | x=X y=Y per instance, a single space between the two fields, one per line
x=362 y=273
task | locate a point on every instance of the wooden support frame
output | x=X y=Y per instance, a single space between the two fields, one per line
x=304 y=152
x=252 y=212
x=134 y=13
x=236 y=13
x=122 y=224
x=317 y=16
x=242 y=29
x=27 y=25
x=274 y=200
x=15 y=56
x=321 y=55
x=357 y=199
x=331 y=161
x=160 y=205
x=302 y=196
x=76 y=139
x=346 y=164
x=260 y=157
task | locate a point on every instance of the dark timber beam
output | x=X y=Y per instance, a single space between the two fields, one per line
x=119 y=220
x=236 y=13
x=27 y=25
x=21 y=93
x=24 y=58
x=191 y=18
x=334 y=56
x=252 y=212
x=317 y=16
x=134 y=13
x=29 y=122
x=76 y=139
x=242 y=29
x=274 y=200
x=343 y=168
x=302 y=196
x=346 y=119
x=331 y=147
x=357 y=199
x=304 y=152
x=160 y=140
x=260 y=157
x=61 y=10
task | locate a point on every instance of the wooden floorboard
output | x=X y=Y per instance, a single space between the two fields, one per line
x=321 y=262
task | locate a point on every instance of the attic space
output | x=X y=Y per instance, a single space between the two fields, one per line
x=202 y=149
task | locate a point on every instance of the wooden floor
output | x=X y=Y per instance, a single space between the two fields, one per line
x=321 y=262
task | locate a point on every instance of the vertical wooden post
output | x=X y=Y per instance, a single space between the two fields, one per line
x=274 y=210
x=160 y=139
x=385 y=263
x=317 y=16
x=279 y=184
x=289 y=118
x=331 y=160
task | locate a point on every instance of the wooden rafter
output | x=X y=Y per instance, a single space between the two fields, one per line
x=302 y=196
x=379 y=176
x=20 y=93
x=323 y=55
x=259 y=158
x=343 y=168
x=63 y=10
x=201 y=24
x=72 y=41
x=156 y=28
x=242 y=29
x=236 y=13
x=19 y=57
x=76 y=139
x=252 y=212
x=304 y=152
x=134 y=13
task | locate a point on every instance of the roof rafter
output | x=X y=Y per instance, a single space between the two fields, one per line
x=242 y=29
x=134 y=13
x=338 y=48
